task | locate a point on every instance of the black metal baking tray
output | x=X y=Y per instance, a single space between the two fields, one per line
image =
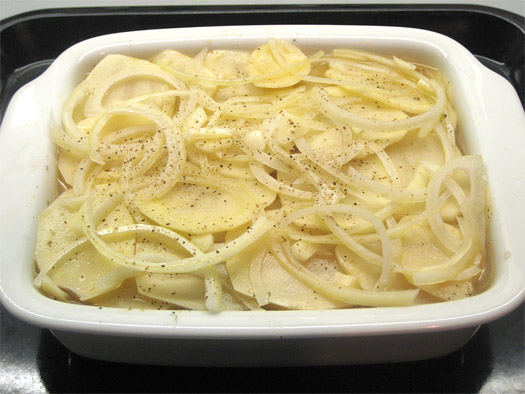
x=34 y=361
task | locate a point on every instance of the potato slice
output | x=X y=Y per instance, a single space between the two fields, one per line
x=284 y=290
x=421 y=248
x=265 y=59
x=67 y=165
x=409 y=152
x=115 y=79
x=452 y=290
x=186 y=291
x=198 y=206
x=227 y=64
x=81 y=271
x=381 y=87
x=55 y=231
x=126 y=296
x=186 y=64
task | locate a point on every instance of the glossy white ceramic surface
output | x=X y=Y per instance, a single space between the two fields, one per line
x=492 y=123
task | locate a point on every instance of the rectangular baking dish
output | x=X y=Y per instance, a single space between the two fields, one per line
x=491 y=123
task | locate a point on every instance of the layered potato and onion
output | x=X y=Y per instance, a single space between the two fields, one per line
x=264 y=179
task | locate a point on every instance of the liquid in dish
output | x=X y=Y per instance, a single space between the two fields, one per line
x=264 y=179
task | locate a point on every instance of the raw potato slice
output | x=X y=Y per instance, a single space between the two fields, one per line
x=366 y=273
x=150 y=245
x=287 y=292
x=226 y=169
x=111 y=81
x=380 y=87
x=55 y=232
x=120 y=215
x=81 y=271
x=452 y=290
x=412 y=150
x=284 y=290
x=231 y=170
x=126 y=296
x=186 y=64
x=421 y=248
x=329 y=143
x=238 y=267
x=263 y=61
x=87 y=123
x=127 y=90
x=262 y=194
x=227 y=64
x=111 y=65
x=186 y=291
x=325 y=268
x=175 y=60
x=67 y=165
x=199 y=207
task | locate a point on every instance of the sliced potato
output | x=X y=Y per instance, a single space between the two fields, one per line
x=82 y=269
x=55 y=231
x=226 y=64
x=67 y=165
x=273 y=57
x=452 y=290
x=183 y=291
x=198 y=207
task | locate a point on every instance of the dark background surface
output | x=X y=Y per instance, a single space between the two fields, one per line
x=31 y=358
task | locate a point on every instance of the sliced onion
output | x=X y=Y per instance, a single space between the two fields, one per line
x=258 y=229
x=355 y=177
x=262 y=176
x=343 y=116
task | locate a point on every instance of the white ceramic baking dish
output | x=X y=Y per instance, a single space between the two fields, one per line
x=492 y=123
